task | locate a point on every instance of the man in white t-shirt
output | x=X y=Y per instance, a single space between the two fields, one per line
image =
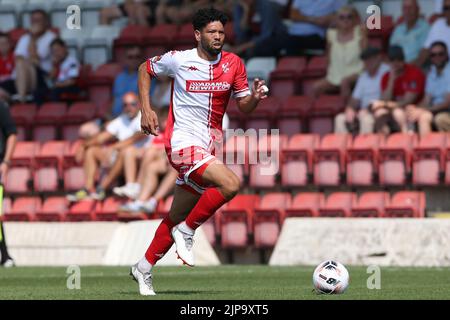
x=357 y=117
x=32 y=53
x=65 y=71
x=123 y=131
x=439 y=31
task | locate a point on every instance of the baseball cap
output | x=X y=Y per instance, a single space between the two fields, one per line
x=396 y=53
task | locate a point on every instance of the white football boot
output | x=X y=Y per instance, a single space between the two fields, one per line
x=144 y=280
x=184 y=243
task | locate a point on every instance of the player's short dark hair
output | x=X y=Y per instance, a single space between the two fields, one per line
x=59 y=42
x=204 y=16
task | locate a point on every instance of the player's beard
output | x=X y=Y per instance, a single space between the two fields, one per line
x=211 y=50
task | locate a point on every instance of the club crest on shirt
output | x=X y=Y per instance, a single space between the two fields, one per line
x=225 y=67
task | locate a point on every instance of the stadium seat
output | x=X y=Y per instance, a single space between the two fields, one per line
x=284 y=80
x=24 y=209
x=338 y=204
x=329 y=159
x=24 y=153
x=8 y=17
x=260 y=67
x=235 y=115
x=19 y=176
x=53 y=209
x=292 y=115
x=109 y=209
x=6 y=207
x=101 y=81
x=395 y=158
x=236 y=221
x=321 y=115
x=44 y=133
x=315 y=69
x=80 y=112
x=160 y=35
x=264 y=174
x=185 y=37
x=297 y=160
x=95 y=51
x=370 y=205
x=70 y=132
x=305 y=204
x=429 y=159
x=268 y=218
x=50 y=113
x=18 y=180
x=23 y=113
x=48 y=171
x=406 y=204
x=362 y=160
x=263 y=116
x=236 y=155
x=83 y=211
x=129 y=35
x=73 y=171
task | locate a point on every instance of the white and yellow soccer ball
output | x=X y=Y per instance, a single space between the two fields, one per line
x=330 y=277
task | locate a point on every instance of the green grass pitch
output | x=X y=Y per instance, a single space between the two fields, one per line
x=224 y=282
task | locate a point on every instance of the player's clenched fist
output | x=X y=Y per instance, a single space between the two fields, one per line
x=149 y=123
x=259 y=89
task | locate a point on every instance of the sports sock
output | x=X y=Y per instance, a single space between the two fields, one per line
x=161 y=243
x=144 y=266
x=210 y=201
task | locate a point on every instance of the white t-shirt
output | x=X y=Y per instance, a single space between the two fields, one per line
x=440 y=31
x=69 y=69
x=123 y=128
x=368 y=88
x=43 y=48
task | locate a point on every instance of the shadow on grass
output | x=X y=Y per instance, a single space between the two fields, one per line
x=174 y=292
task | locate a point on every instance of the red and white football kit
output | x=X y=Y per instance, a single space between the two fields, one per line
x=200 y=93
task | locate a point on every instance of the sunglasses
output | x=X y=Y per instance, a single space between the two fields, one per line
x=437 y=54
x=133 y=104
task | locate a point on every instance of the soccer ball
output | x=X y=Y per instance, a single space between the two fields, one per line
x=330 y=277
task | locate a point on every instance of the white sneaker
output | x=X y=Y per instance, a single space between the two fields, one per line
x=132 y=206
x=132 y=190
x=144 y=280
x=149 y=206
x=184 y=243
x=119 y=190
x=9 y=263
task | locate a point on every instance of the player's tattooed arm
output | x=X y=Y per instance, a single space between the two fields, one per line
x=149 y=120
x=248 y=103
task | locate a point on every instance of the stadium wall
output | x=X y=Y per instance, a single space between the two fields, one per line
x=92 y=243
x=364 y=241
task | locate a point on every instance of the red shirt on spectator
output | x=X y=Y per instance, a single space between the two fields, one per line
x=6 y=66
x=411 y=80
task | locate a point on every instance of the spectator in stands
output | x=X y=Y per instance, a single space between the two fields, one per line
x=310 y=19
x=344 y=46
x=437 y=94
x=63 y=75
x=357 y=117
x=32 y=56
x=440 y=31
x=126 y=81
x=138 y=12
x=7 y=64
x=402 y=85
x=125 y=130
x=412 y=32
x=268 y=41
x=8 y=138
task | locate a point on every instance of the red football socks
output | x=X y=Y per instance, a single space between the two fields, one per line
x=210 y=201
x=162 y=241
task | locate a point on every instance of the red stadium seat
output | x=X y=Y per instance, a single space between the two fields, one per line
x=44 y=133
x=71 y=132
x=264 y=173
x=185 y=37
x=101 y=81
x=236 y=221
x=305 y=204
x=18 y=180
x=236 y=155
x=291 y=118
x=395 y=158
x=80 y=112
x=285 y=78
x=315 y=69
x=235 y=115
x=338 y=204
x=407 y=204
x=24 y=209
x=53 y=209
x=429 y=159
x=297 y=160
x=130 y=35
x=6 y=206
x=322 y=113
x=268 y=218
x=24 y=153
x=153 y=51
x=73 y=171
x=371 y=205
x=382 y=34
x=263 y=116
x=83 y=211
x=50 y=113
x=161 y=35
x=109 y=210
x=23 y=113
x=362 y=159
x=329 y=159
x=48 y=170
